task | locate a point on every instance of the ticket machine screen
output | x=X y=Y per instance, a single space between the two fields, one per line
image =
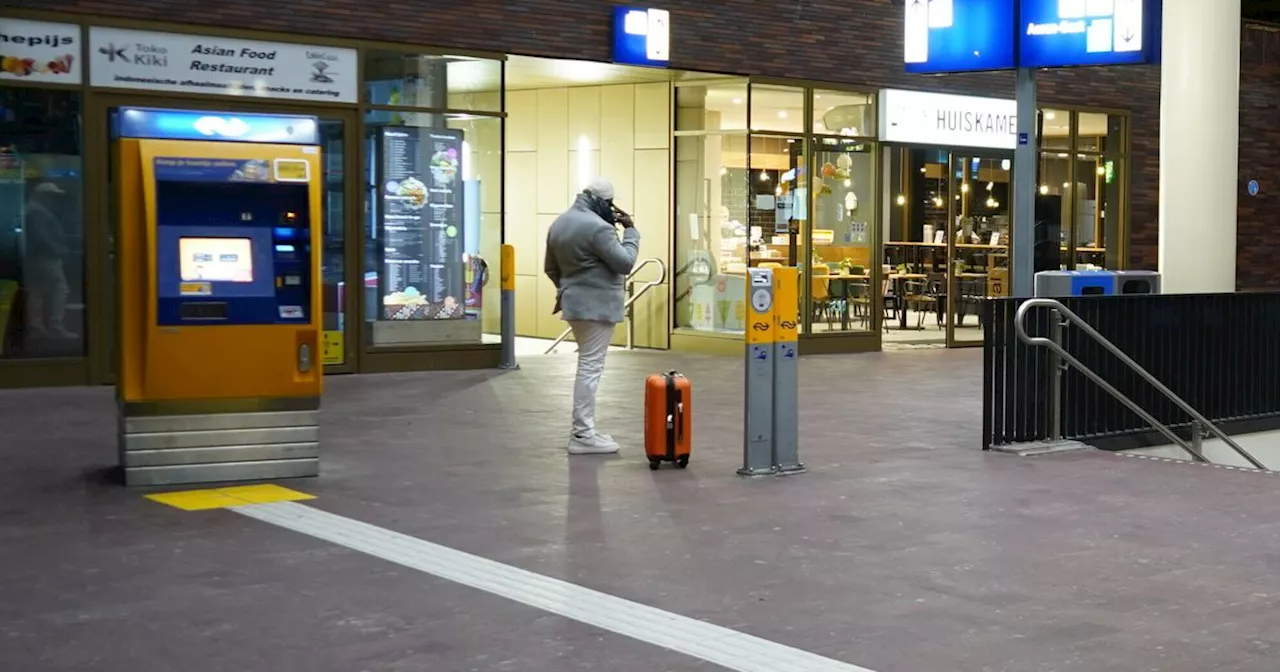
x=216 y=259
x=230 y=251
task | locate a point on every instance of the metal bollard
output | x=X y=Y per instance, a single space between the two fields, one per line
x=757 y=449
x=786 y=374
x=508 y=307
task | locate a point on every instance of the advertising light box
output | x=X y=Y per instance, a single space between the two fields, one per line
x=1066 y=33
x=959 y=35
x=642 y=36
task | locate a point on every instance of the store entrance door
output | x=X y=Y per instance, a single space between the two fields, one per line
x=337 y=219
x=946 y=243
x=978 y=244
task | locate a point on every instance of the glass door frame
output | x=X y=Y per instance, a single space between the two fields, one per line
x=968 y=154
x=99 y=267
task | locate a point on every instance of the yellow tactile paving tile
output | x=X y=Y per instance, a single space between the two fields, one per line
x=226 y=498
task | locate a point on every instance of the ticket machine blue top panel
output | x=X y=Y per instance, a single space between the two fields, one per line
x=154 y=124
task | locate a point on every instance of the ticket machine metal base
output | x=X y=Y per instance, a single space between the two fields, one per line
x=202 y=443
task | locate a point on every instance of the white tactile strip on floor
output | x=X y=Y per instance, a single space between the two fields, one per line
x=721 y=646
x=1193 y=463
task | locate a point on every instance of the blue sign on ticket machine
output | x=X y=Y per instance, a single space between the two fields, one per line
x=219 y=295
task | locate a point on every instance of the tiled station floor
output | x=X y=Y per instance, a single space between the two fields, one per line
x=904 y=549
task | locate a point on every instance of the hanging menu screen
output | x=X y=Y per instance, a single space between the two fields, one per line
x=420 y=218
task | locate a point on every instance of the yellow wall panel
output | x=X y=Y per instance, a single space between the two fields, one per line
x=522 y=121
x=653 y=116
x=553 y=150
x=521 y=218
x=526 y=305
x=584 y=117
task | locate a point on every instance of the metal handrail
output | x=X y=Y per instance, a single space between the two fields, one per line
x=632 y=297
x=1199 y=422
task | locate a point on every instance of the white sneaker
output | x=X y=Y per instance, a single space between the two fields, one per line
x=596 y=444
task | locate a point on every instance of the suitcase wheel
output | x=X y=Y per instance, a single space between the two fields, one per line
x=653 y=464
x=682 y=461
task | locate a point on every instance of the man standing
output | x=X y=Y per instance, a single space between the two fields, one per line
x=589 y=267
x=46 y=250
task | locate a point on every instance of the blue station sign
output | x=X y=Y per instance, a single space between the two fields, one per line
x=974 y=35
x=959 y=35
x=1068 y=33
x=155 y=124
x=642 y=37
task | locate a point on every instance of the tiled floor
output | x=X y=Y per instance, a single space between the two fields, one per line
x=904 y=549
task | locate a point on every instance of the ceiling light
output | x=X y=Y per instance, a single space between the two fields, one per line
x=1050 y=116
x=1044 y=189
x=782 y=114
x=1005 y=164
x=737 y=101
x=764 y=177
x=902 y=200
x=964 y=188
x=1102 y=170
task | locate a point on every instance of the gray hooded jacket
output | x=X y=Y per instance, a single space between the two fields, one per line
x=589 y=265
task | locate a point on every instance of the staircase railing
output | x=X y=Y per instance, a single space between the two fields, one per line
x=1062 y=317
x=632 y=296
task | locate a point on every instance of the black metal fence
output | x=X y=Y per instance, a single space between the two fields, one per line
x=1218 y=352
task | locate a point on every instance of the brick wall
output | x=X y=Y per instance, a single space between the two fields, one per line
x=1258 y=227
x=843 y=41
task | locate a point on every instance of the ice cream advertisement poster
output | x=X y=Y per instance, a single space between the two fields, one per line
x=39 y=51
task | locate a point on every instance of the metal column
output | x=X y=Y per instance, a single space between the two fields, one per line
x=1023 y=238
x=508 y=307
x=786 y=377
x=757 y=438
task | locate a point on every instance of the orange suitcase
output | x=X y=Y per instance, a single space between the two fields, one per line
x=668 y=419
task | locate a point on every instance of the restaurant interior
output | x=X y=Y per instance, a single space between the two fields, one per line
x=771 y=175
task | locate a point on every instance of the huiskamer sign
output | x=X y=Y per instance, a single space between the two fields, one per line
x=203 y=64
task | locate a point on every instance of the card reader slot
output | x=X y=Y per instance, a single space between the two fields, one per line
x=203 y=310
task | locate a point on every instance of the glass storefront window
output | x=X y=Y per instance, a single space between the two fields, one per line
x=777 y=108
x=432 y=225
x=433 y=81
x=711 y=234
x=1055 y=129
x=844 y=209
x=1099 y=132
x=712 y=106
x=42 y=298
x=843 y=113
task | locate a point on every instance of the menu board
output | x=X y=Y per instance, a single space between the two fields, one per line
x=420 y=222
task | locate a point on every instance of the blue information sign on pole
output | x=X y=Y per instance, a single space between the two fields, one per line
x=1068 y=33
x=959 y=35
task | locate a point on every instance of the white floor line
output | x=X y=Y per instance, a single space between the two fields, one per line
x=712 y=643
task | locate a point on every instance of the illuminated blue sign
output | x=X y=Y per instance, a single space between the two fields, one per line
x=136 y=122
x=642 y=36
x=1065 y=33
x=959 y=35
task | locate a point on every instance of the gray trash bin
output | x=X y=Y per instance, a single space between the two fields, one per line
x=1052 y=284
x=1137 y=282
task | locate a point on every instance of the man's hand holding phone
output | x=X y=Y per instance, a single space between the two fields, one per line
x=623 y=218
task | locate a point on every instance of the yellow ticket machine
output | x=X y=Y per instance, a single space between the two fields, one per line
x=218 y=252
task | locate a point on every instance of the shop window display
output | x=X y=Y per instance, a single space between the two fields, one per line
x=42 y=305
